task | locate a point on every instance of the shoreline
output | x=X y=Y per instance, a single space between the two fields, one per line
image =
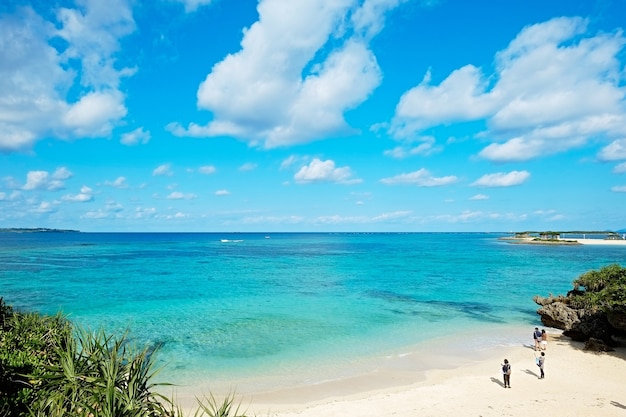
x=577 y=383
x=557 y=242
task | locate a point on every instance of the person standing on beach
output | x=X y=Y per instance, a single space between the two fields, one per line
x=537 y=337
x=544 y=339
x=506 y=373
x=541 y=360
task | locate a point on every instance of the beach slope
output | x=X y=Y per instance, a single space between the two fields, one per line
x=577 y=383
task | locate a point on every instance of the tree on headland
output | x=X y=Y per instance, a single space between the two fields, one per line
x=603 y=290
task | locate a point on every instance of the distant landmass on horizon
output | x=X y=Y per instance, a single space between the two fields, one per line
x=36 y=230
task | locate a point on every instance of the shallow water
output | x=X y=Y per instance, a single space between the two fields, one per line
x=230 y=307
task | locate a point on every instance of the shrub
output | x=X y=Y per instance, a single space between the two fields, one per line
x=49 y=368
x=602 y=290
x=28 y=343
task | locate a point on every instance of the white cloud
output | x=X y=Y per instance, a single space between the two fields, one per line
x=460 y=97
x=207 y=169
x=62 y=174
x=502 y=179
x=39 y=82
x=86 y=194
x=614 y=151
x=111 y=209
x=555 y=87
x=177 y=195
x=137 y=136
x=193 y=5
x=222 y=192
x=479 y=197
x=95 y=214
x=14 y=196
x=620 y=168
x=249 y=166
x=369 y=19
x=145 y=212
x=272 y=220
x=113 y=206
x=95 y=113
x=308 y=59
x=324 y=171
x=421 y=178
x=44 y=207
x=291 y=160
x=42 y=180
x=119 y=182
x=36 y=180
x=427 y=147
x=164 y=169
x=383 y=217
x=619 y=189
x=177 y=215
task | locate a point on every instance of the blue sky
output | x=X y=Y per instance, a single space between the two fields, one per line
x=312 y=115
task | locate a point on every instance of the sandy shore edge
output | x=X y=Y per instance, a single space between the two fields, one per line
x=564 y=241
x=577 y=383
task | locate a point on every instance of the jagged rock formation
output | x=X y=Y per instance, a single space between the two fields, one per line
x=593 y=312
x=581 y=325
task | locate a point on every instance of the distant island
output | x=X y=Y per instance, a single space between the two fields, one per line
x=576 y=237
x=36 y=230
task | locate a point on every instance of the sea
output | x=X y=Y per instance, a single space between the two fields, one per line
x=292 y=308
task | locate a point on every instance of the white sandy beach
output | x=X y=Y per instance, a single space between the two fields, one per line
x=577 y=383
x=601 y=242
x=565 y=241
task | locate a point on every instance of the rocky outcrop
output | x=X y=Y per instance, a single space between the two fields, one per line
x=617 y=319
x=557 y=314
x=578 y=324
x=597 y=345
x=591 y=326
x=542 y=301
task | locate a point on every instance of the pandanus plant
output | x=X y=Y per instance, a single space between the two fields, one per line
x=50 y=368
x=100 y=376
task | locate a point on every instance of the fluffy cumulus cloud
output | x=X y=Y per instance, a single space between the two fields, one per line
x=177 y=195
x=614 y=151
x=67 y=92
x=85 y=194
x=324 y=171
x=207 y=169
x=119 y=182
x=556 y=86
x=421 y=178
x=310 y=59
x=479 y=197
x=502 y=179
x=164 y=169
x=620 y=168
x=135 y=137
x=43 y=180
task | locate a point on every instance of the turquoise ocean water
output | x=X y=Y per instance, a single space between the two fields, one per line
x=231 y=306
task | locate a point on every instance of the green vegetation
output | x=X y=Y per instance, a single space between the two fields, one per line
x=601 y=290
x=49 y=368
